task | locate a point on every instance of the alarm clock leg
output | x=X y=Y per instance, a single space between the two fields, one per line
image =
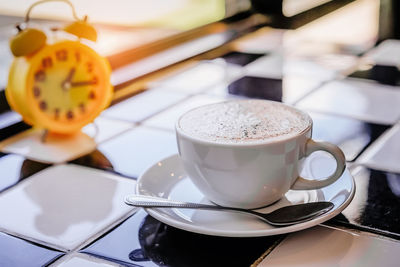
x=44 y=135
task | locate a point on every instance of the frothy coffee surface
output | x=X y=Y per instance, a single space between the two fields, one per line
x=243 y=121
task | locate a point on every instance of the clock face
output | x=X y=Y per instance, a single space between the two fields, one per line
x=68 y=84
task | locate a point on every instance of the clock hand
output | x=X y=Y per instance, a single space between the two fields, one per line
x=83 y=83
x=66 y=84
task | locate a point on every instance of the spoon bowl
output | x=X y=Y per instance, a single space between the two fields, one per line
x=284 y=216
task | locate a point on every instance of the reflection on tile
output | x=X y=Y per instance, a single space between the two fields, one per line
x=240 y=58
x=129 y=248
x=384 y=153
x=78 y=260
x=56 y=149
x=389 y=75
x=375 y=206
x=14 y=168
x=168 y=246
x=351 y=135
x=17 y=252
x=257 y=87
x=143 y=105
x=371 y=102
x=200 y=77
x=97 y=160
x=134 y=151
x=103 y=129
x=168 y=118
x=321 y=246
x=65 y=205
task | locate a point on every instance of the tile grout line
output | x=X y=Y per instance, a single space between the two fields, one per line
x=268 y=251
x=94 y=237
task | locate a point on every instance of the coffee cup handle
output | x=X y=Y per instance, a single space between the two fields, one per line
x=312 y=146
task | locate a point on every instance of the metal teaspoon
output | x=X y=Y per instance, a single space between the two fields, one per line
x=284 y=216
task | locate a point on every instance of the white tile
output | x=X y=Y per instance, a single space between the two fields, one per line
x=386 y=53
x=295 y=87
x=366 y=101
x=322 y=246
x=9 y=118
x=269 y=66
x=261 y=41
x=56 y=149
x=200 y=77
x=339 y=63
x=383 y=154
x=221 y=90
x=11 y=167
x=142 y=105
x=103 y=129
x=168 y=118
x=65 y=205
x=134 y=151
x=82 y=260
x=308 y=68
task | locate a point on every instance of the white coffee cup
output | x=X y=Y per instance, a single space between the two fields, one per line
x=252 y=175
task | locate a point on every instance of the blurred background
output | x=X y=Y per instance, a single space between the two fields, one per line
x=127 y=24
x=143 y=37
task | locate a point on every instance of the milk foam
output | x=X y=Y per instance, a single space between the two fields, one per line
x=243 y=121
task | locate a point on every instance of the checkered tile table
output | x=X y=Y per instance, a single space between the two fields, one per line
x=61 y=203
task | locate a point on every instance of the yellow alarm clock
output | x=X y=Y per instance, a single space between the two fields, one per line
x=59 y=87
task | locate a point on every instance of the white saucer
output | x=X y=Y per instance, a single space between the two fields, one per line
x=168 y=179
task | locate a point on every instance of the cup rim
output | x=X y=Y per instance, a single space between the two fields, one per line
x=268 y=141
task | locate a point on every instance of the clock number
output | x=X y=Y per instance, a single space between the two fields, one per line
x=36 y=92
x=40 y=76
x=77 y=57
x=92 y=95
x=61 y=55
x=89 y=67
x=43 y=105
x=47 y=62
x=70 y=115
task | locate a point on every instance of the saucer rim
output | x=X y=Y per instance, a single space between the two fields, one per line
x=158 y=214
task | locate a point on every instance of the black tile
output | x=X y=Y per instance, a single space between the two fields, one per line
x=376 y=204
x=14 y=168
x=389 y=75
x=17 y=252
x=13 y=129
x=257 y=87
x=351 y=135
x=4 y=106
x=240 y=58
x=145 y=241
x=122 y=243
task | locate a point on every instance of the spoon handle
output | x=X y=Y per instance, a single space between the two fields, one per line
x=158 y=202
